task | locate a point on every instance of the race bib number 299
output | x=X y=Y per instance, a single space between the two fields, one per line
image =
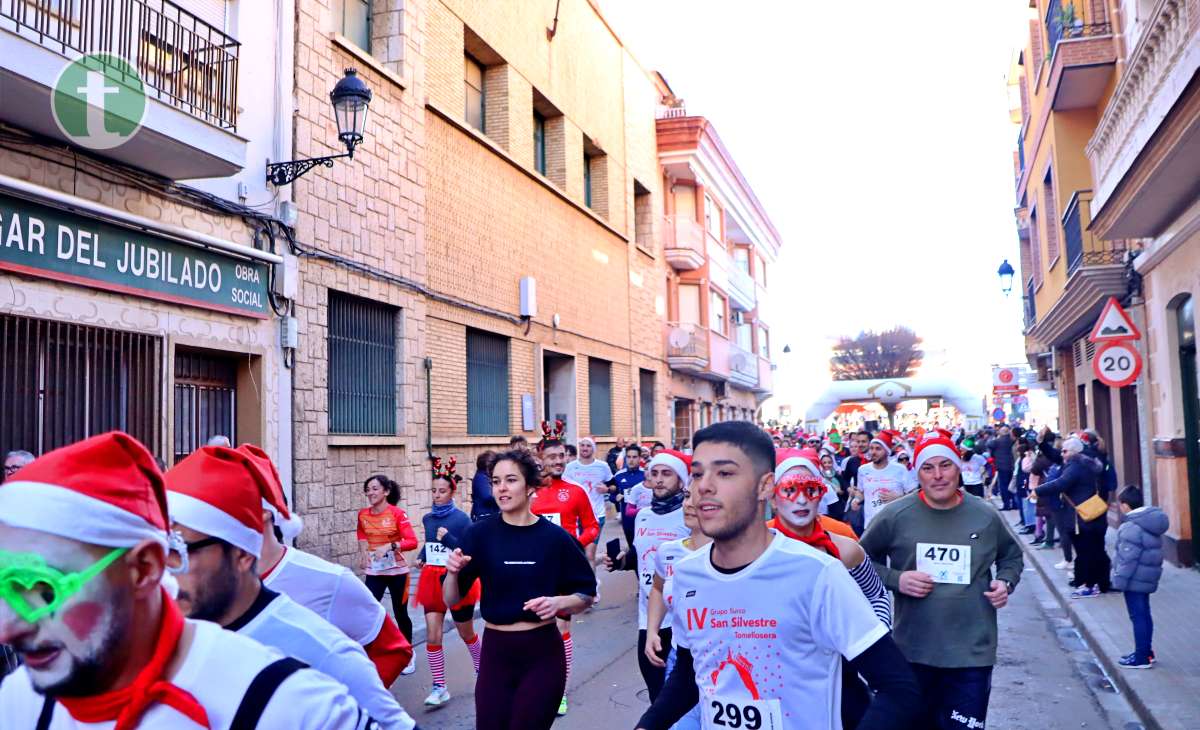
x=722 y=713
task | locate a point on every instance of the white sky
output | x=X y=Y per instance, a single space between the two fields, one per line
x=876 y=134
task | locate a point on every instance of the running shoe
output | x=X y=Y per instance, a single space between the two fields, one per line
x=1132 y=662
x=410 y=669
x=1063 y=565
x=1085 y=592
x=562 y=706
x=1131 y=655
x=438 y=697
x=1046 y=546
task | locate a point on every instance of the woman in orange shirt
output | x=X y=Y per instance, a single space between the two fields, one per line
x=384 y=532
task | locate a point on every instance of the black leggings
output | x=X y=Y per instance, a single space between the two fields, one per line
x=398 y=586
x=1092 y=565
x=522 y=678
x=653 y=675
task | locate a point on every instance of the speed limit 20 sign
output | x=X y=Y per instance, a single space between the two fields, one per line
x=1117 y=364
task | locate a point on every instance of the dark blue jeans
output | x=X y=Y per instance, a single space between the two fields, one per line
x=1004 y=488
x=954 y=699
x=1138 y=605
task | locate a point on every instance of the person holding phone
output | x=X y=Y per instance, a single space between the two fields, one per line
x=444 y=527
x=661 y=522
x=530 y=571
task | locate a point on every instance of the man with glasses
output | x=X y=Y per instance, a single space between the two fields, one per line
x=216 y=498
x=14 y=460
x=83 y=550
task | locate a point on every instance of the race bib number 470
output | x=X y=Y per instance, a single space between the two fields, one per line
x=945 y=563
x=721 y=713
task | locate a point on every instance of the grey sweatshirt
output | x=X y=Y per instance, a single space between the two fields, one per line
x=955 y=625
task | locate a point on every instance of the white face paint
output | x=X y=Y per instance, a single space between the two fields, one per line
x=68 y=652
x=801 y=513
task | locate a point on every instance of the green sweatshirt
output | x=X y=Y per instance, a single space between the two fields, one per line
x=955 y=625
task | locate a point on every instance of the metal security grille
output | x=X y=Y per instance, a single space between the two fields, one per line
x=487 y=383
x=362 y=366
x=62 y=382
x=646 y=396
x=600 y=396
x=205 y=400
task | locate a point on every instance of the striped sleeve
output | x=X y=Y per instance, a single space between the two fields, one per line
x=872 y=587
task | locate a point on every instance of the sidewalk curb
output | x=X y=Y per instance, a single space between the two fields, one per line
x=1115 y=673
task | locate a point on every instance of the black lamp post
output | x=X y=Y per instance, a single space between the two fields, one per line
x=351 y=99
x=1006 y=276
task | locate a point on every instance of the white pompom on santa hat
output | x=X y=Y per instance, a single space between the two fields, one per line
x=219 y=491
x=935 y=443
x=676 y=461
x=288 y=522
x=106 y=490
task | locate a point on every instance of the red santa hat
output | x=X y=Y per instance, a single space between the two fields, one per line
x=106 y=490
x=219 y=491
x=288 y=522
x=935 y=444
x=676 y=461
x=788 y=459
x=884 y=439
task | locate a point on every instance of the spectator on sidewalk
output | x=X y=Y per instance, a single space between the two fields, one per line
x=613 y=457
x=14 y=460
x=1079 y=481
x=1001 y=449
x=1137 y=570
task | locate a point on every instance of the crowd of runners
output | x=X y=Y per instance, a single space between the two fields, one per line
x=785 y=580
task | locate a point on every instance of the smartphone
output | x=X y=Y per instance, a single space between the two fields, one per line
x=613 y=547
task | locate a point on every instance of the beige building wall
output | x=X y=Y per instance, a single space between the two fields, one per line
x=493 y=218
x=366 y=217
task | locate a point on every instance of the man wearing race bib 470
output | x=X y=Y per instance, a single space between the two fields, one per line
x=761 y=621
x=935 y=549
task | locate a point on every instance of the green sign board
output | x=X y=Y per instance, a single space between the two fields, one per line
x=42 y=241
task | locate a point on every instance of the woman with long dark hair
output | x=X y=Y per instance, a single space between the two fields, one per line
x=531 y=570
x=384 y=533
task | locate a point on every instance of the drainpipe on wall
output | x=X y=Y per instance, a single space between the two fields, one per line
x=1137 y=311
x=429 y=407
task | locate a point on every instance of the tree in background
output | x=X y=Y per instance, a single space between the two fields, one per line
x=894 y=353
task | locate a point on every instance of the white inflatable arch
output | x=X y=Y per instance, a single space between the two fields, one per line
x=892 y=391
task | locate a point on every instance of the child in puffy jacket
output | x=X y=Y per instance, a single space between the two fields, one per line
x=1137 y=568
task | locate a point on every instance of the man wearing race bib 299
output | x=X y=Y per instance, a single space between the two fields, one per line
x=762 y=621
x=936 y=549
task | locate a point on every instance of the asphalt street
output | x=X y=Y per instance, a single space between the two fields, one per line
x=1045 y=676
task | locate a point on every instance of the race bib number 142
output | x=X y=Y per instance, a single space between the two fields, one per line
x=722 y=713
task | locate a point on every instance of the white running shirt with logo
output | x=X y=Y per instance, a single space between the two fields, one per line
x=872 y=481
x=650 y=531
x=774 y=631
x=594 y=479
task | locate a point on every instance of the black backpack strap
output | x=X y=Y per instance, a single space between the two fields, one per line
x=261 y=690
x=47 y=715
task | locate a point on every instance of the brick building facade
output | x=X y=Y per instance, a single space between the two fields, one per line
x=359 y=386
x=541 y=168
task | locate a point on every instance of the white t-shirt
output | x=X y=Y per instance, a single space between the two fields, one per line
x=217 y=671
x=638 y=498
x=873 y=480
x=669 y=553
x=329 y=590
x=972 y=469
x=775 y=630
x=651 y=530
x=593 y=478
x=298 y=632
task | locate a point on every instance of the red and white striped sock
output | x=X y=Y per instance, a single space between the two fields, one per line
x=475 y=646
x=437 y=664
x=569 y=649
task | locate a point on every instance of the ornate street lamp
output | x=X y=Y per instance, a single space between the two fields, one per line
x=1006 y=276
x=351 y=99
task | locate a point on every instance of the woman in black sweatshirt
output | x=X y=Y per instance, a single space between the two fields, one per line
x=531 y=571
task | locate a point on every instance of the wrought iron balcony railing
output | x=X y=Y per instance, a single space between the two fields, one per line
x=182 y=60
x=1067 y=22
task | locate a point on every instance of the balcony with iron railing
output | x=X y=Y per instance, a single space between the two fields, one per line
x=184 y=63
x=1082 y=52
x=742 y=292
x=687 y=347
x=743 y=367
x=1030 y=302
x=1082 y=247
x=683 y=242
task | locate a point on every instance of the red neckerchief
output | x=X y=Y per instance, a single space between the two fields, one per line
x=921 y=495
x=127 y=705
x=819 y=538
x=276 y=565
